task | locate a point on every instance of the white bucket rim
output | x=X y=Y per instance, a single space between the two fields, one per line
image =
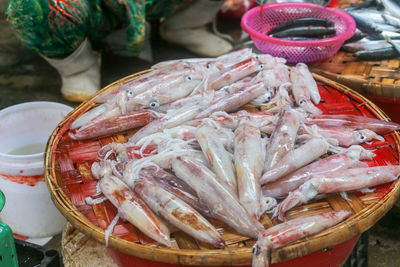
x=28 y=105
x=36 y=164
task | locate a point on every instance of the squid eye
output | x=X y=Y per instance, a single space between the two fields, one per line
x=301 y=102
x=256 y=57
x=362 y=137
x=226 y=88
x=129 y=93
x=260 y=66
x=208 y=65
x=154 y=104
x=188 y=78
x=268 y=98
x=256 y=250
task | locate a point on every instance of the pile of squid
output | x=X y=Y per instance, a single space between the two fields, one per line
x=200 y=155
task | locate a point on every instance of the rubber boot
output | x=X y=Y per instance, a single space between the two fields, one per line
x=188 y=27
x=80 y=73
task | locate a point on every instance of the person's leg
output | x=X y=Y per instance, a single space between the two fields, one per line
x=187 y=27
x=80 y=72
x=58 y=31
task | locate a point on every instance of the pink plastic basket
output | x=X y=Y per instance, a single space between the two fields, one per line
x=258 y=21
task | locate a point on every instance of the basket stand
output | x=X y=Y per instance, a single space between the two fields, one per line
x=80 y=250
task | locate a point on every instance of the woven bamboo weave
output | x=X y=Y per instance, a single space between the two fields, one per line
x=67 y=172
x=376 y=78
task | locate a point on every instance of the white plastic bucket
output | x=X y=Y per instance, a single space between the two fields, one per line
x=24 y=131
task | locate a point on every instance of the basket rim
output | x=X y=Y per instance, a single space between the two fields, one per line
x=351 y=227
x=350 y=23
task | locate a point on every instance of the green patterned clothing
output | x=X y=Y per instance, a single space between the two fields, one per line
x=55 y=28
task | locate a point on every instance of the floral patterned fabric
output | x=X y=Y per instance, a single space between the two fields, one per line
x=55 y=28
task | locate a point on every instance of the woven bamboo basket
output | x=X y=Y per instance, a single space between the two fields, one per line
x=379 y=81
x=69 y=180
x=377 y=78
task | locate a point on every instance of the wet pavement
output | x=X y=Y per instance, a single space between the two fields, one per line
x=25 y=76
x=384 y=240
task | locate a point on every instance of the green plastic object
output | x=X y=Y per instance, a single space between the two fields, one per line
x=8 y=254
x=2 y=200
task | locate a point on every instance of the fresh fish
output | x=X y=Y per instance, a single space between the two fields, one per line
x=384 y=34
x=365 y=25
x=388 y=28
x=377 y=54
x=394 y=44
x=362 y=5
x=305 y=21
x=392 y=6
x=305 y=31
x=358 y=35
x=385 y=21
x=371 y=14
x=391 y=20
x=365 y=44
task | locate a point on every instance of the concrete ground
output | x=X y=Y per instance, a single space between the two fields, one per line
x=25 y=76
